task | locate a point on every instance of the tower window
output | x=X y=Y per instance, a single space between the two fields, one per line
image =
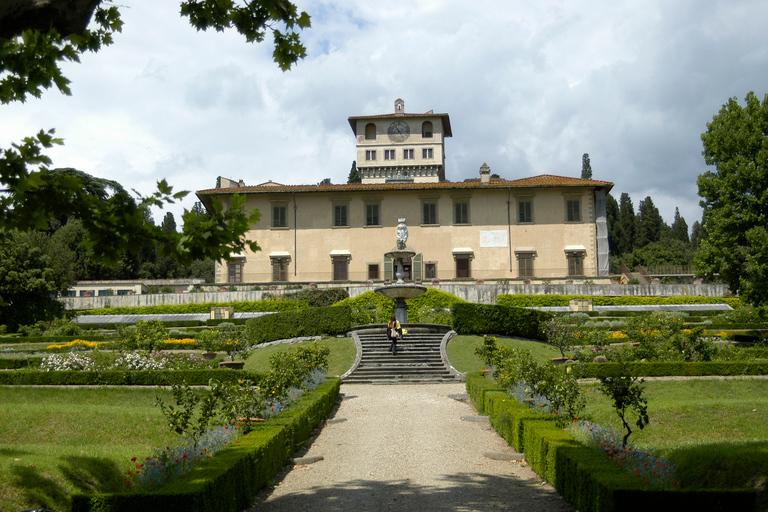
x=370 y=131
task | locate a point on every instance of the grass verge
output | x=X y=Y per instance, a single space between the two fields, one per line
x=461 y=351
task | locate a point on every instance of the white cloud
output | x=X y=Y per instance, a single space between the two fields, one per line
x=529 y=86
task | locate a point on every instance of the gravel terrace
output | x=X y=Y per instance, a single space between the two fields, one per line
x=408 y=447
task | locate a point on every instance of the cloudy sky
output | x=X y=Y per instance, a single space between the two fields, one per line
x=529 y=87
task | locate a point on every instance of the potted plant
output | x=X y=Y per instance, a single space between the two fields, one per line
x=233 y=341
x=209 y=342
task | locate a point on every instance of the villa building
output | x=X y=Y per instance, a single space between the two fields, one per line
x=536 y=229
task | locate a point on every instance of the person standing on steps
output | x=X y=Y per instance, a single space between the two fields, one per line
x=394 y=333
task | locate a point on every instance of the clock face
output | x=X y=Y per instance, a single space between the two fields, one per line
x=399 y=131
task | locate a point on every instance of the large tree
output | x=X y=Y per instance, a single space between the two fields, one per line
x=614 y=229
x=735 y=198
x=35 y=38
x=625 y=234
x=586 y=167
x=679 y=228
x=650 y=225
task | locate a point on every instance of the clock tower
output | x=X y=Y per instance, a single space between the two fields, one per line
x=401 y=147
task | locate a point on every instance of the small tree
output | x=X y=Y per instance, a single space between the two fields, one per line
x=354 y=174
x=586 y=167
x=563 y=332
x=627 y=395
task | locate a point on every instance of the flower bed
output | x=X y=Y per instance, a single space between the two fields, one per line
x=230 y=480
x=583 y=476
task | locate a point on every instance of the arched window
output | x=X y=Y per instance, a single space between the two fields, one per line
x=370 y=131
x=426 y=130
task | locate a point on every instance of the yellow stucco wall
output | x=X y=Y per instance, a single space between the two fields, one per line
x=310 y=238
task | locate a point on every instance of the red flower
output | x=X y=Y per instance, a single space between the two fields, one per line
x=133 y=459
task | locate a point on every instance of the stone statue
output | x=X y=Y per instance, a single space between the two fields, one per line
x=402 y=233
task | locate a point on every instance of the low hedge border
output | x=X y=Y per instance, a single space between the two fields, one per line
x=229 y=481
x=581 y=475
x=673 y=369
x=121 y=378
x=52 y=340
x=16 y=363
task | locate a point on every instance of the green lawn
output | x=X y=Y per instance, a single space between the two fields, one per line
x=340 y=360
x=55 y=441
x=461 y=351
x=715 y=430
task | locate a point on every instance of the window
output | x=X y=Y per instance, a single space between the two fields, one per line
x=430 y=270
x=235 y=272
x=429 y=215
x=463 y=267
x=372 y=214
x=575 y=264
x=340 y=269
x=279 y=269
x=373 y=271
x=408 y=154
x=370 y=131
x=370 y=154
x=573 y=210
x=389 y=154
x=426 y=153
x=525 y=264
x=426 y=129
x=525 y=211
x=340 y=215
x=279 y=216
x=461 y=212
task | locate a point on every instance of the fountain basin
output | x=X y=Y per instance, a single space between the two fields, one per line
x=401 y=291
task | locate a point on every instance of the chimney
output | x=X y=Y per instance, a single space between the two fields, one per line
x=485 y=173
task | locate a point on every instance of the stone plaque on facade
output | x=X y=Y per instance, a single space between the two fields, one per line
x=493 y=238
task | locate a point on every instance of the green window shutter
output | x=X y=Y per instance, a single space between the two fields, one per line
x=387 y=268
x=417 y=267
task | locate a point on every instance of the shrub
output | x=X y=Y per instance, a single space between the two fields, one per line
x=469 y=318
x=144 y=335
x=318 y=297
x=564 y=332
x=331 y=320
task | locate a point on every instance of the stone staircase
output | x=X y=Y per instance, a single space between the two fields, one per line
x=420 y=356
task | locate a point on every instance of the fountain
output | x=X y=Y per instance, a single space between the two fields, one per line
x=400 y=291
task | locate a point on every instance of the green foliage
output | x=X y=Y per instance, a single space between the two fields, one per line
x=735 y=198
x=316 y=297
x=144 y=335
x=29 y=281
x=532 y=301
x=193 y=411
x=368 y=308
x=118 y=377
x=557 y=384
x=243 y=306
x=564 y=332
x=330 y=320
x=237 y=473
x=469 y=318
x=291 y=367
x=626 y=393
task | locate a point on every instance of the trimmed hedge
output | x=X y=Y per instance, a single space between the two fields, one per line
x=243 y=306
x=229 y=481
x=673 y=368
x=583 y=476
x=52 y=340
x=469 y=318
x=15 y=363
x=328 y=320
x=529 y=301
x=122 y=378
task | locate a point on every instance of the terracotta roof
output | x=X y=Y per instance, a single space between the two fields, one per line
x=545 y=180
x=443 y=118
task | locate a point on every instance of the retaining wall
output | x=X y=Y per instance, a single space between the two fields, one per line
x=479 y=293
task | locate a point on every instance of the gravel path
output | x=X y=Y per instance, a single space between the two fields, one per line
x=408 y=447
